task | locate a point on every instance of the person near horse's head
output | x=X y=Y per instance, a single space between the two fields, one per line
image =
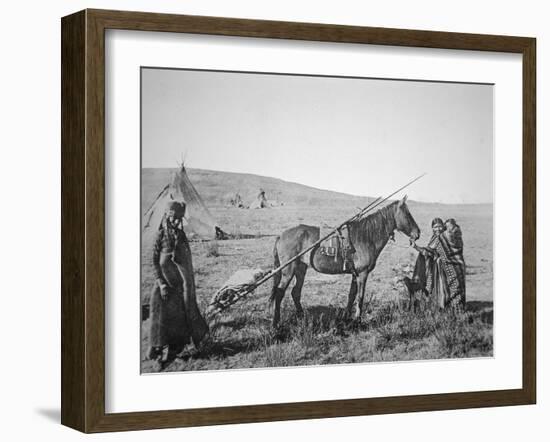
x=438 y=227
x=440 y=267
x=175 y=318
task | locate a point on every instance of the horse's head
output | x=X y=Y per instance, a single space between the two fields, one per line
x=404 y=221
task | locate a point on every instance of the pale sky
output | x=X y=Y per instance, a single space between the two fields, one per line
x=358 y=136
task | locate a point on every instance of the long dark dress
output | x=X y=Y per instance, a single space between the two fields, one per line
x=440 y=268
x=174 y=320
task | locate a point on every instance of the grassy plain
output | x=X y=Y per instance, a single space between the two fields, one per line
x=242 y=336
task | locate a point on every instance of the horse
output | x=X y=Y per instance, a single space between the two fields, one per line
x=367 y=235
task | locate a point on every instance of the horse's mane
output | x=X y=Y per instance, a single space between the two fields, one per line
x=376 y=226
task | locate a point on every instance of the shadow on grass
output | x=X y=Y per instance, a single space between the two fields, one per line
x=325 y=324
x=317 y=319
x=325 y=313
x=476 y=306
x=231 y=335
x=482 y=308
x=224 y=349
x=240 y=322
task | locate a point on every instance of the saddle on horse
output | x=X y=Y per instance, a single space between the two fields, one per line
x=335 y=254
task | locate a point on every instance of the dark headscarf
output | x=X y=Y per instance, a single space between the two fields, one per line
x=177 y=207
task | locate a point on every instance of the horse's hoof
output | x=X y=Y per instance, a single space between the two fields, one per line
x=277 y=332
x=348 y=319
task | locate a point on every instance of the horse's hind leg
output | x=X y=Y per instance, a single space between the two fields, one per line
x=351 y=296
x=300 y=273
x=279 y=292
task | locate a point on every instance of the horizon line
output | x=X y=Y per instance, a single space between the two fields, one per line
x=319 y=188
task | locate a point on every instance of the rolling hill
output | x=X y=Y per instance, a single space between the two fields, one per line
x=216 y=188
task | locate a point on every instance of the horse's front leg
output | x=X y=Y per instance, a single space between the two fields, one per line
x=361 y=286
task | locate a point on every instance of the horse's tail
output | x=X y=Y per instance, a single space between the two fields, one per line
x=277 y=277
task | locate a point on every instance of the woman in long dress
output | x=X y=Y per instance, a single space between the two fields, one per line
x=175 y=317
x=440 y=270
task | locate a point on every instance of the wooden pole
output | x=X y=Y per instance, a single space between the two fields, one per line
x=273 y=272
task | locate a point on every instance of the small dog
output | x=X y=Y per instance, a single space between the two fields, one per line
x=414 y=285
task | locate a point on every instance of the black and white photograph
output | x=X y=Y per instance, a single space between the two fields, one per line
x=300 y=220
x=262 y=221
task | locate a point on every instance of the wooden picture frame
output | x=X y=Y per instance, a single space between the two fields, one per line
x=83 y=220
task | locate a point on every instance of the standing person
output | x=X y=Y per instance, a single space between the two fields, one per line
x=440 y=270
x=175 y=317
x=455 y=257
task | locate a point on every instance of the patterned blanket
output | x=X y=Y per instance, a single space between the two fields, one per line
x=442 y=270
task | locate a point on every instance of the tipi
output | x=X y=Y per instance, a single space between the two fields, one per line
x=260 y=202
x=200 y=221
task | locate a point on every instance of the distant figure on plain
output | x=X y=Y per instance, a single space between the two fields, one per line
x=175 y=317
x=440 y=270
x=261 y=201
x=237 y=201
